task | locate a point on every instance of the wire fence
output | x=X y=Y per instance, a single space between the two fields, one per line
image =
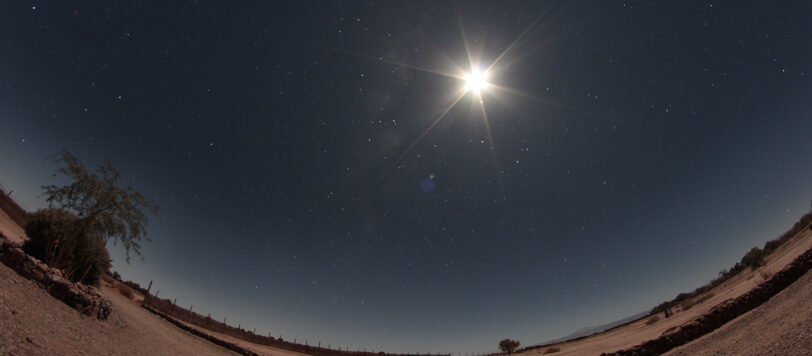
x=316 y=348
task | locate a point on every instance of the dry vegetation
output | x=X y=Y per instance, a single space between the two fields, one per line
x=753 y=259
x=652 y=320
x=109 y=280
x=552 y=350
x=765 y=273
x=688 y=304
x=122 y=288
x=125 y=291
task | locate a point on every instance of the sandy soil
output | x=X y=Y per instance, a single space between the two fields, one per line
x=10 y=229
x=260 y=349
x=781 y=326
x=34 y=323
x=638 y=332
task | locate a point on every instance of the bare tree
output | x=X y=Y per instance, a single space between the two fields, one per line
x=101 y=205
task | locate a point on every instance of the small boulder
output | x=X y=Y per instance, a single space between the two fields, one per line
x=60 y=289
x=36 y=275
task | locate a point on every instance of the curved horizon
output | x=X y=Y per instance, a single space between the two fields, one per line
x=323 y=175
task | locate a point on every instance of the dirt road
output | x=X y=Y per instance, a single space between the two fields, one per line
x=34 y=323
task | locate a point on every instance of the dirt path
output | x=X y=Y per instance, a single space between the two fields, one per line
x=34 y=323
x=781 y=326
x=263 y=350
x=638 y=332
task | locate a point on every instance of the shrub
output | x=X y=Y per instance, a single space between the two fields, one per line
x=135 y=286
x=552 y=350
x=652 y=320
x=690 y=303
x=772 y=245
x=125 y=291
x=754 y=258
x=58 y=238
x=107 y=279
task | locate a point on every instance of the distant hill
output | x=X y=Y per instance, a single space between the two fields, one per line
x=589 y=330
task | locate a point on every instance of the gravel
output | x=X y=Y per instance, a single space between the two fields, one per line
x=34 y=323
x=781 y=326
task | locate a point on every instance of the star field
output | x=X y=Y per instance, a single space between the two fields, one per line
x=322 y=174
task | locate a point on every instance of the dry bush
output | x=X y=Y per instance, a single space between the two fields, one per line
x=765 y=273
x=107 y=279
x=125 y=291
x=552 y=350
x=652 y=320
x=60 y=239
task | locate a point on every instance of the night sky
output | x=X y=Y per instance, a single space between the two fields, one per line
x=324 y=175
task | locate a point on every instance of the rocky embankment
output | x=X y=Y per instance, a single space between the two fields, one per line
x=723 y=312
x=86 y=299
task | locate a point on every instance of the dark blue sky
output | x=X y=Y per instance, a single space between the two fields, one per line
x=641 y=148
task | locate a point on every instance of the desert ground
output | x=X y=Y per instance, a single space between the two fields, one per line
x=781 y=326
x=263 y=350
x=34 y=323
x=10 y=229
x=638 y=332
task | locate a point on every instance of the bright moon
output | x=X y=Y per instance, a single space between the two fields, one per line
x=476 y=81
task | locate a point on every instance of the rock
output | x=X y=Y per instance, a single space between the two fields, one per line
x=104 y=309
x=86 y=299
x=37 y=276
x=60 y=289
x=13 y=256
x=82 y=299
